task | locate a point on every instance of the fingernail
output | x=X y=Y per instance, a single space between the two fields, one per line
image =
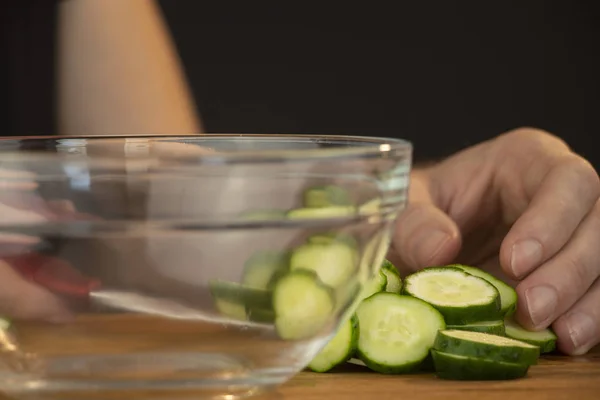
x=525 y=255
x=430 y=245
x=541 y=302
x=581 y=330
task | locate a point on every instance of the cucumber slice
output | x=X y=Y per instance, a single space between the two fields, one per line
x=463 y=368
x=231 y=309
x=303 y=305
x=461 y=297
x=508 y=295
x=334 y=263
x=394 y=282
x=339 y=349
x=263 y=269
x=325 y=212
x=239 y=294
x=484 y=345
x=328 y=238
x=370 y=207
x=491 y=327
x=260 y=315
x=326 y=196
x=375 y=285
x=396 y=332
x=545 y=339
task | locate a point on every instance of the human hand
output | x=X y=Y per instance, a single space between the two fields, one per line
x=19 y=298
x=522 y=206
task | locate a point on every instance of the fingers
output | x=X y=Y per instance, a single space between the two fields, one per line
x=579 y=329
x=552 y=289
x=425 y=236
x=563 y=199
x=20 y=299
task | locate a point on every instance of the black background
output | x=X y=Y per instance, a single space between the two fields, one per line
x=444 y=74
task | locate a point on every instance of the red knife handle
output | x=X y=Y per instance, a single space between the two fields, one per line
x=54 y=274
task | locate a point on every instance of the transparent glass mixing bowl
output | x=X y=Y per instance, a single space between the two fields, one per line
x=211 y=266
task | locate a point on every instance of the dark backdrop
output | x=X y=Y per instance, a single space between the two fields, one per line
x=444 y=74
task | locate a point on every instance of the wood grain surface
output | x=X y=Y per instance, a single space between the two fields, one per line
x=556 y=377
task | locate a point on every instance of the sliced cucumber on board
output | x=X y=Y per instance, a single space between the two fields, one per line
x=491 y=327
x=544 y=339
x=339 y=349
x=334 y=263
x=461 y=297
x=464 y=368
x=396 y=332
x=483 y=345
x=303 y=305
x=375 y=285
x=508 y=295
x=393 y=280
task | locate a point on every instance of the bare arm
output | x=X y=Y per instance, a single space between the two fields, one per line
x=119 y=72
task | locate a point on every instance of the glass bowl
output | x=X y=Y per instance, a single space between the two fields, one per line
x=212 y=266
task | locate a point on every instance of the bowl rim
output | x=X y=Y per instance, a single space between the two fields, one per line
x=365 y=147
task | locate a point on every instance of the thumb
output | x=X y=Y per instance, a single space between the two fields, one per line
x=424 y=236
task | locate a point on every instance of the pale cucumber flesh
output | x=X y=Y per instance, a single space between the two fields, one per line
x=303 y=305
x=396 y=332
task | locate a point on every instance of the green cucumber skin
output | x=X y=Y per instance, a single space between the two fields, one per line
x=408 y=368
x=460 y=315
x=394 y=282
x=448 y=367
x=546 y=345
x=490 y=352
x=236 y=293
x=351 y=350
x=498 y=329
x=260 y=315
x=375 y=285
x=508 y=295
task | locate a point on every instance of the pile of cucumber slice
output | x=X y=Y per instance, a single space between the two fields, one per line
x=455 y=321
x=300 y=293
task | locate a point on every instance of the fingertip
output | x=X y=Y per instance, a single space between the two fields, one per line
x=521 y=256
x=577 y=333
x=426 y=236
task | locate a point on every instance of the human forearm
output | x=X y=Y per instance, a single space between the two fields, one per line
x=119 y=72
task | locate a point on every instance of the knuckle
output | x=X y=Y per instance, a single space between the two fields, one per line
x=584 y=172
x=578 y=277
x=533 y=139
